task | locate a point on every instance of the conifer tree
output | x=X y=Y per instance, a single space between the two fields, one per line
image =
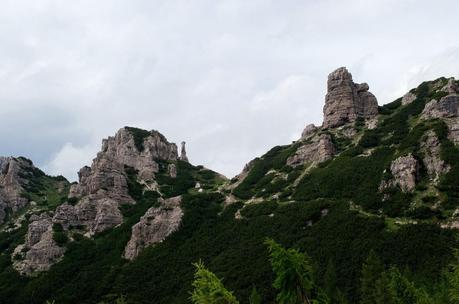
x=208 y=288
x=372 y=270
x=293 y=270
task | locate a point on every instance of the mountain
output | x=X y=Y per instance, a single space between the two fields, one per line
x=381 y=179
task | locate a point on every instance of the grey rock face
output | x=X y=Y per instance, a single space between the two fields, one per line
x=447 y=107
x=103 y=186
x=308 y=130
x=430 y=146
x=448 y=110
x=157 y=224
x=408 y=98
x=172 y=170
x=13 y=179
x=346 y=101
x=404 y=174
x=320 y=149
x=39 y=251
x=452 y=87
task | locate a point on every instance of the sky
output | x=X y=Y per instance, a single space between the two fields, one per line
x=232 y=78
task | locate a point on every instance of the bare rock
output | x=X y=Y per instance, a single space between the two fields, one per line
x=452 y=87
x=346 y=101
x=40 y=251
x=103 y=187
x=404 y=172
x=183 y=152
x=453 y=127
x=14 y=178
x=447 y=107
x=308 y=131
x=172 y=170
x=157 y=224
x=431 y=148
x=408 y=98
x=320 y=149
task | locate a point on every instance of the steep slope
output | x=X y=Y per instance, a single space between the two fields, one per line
x=370 y=178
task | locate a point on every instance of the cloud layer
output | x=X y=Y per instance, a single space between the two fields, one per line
x=232 y=78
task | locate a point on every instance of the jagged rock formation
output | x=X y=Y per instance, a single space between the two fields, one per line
x=13 y=180
x=318 y=150
x=183 y=152
x=103 y=186
x=404 y=171
x=347 y=101
x=431 y=149
x=154 y=226
x=39 y=251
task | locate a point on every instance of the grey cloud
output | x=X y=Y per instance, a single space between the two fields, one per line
x=232 y=78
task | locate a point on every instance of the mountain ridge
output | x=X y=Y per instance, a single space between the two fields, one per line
x=375 y=175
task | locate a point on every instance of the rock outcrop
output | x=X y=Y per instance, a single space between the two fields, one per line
x=447 y=107
x=154 y=226
x=308 y=131
x=431 y=149
x=347 y=101
x=39 y=251
x=104 y=186
x=319 y=149
x=14 y=178
x=404 y=171
x=408 y=98
x=183 y=152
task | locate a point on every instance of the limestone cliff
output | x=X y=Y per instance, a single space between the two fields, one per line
x=347 y=101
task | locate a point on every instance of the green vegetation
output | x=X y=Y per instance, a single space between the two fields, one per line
x=139 y=137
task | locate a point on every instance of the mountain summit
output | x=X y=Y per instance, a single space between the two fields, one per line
x=372 y=179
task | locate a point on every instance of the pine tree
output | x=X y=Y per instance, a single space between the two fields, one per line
x=372 y=270
x=453 y=279
x=255 y=297
x=208 y=288
x=293 y=271
x=330 y=280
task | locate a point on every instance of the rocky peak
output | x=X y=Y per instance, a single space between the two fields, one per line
x=183 y=153
x=104 y=186
x=346 y=101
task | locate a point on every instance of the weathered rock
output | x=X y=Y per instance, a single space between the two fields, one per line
x=183 y=152
x=172 y=170
x=404 y=172
x=346 y=101
x=447 y=107
x=452 y=87
x=157 y=224
x=39 y=251
x=14 y=178
x=431 y=148
x=453 y=127
x=104 y=186
x=320 y=149
x=408 y=98
x=308 y=131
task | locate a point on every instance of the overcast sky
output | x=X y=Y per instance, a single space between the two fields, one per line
x=231 y=78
